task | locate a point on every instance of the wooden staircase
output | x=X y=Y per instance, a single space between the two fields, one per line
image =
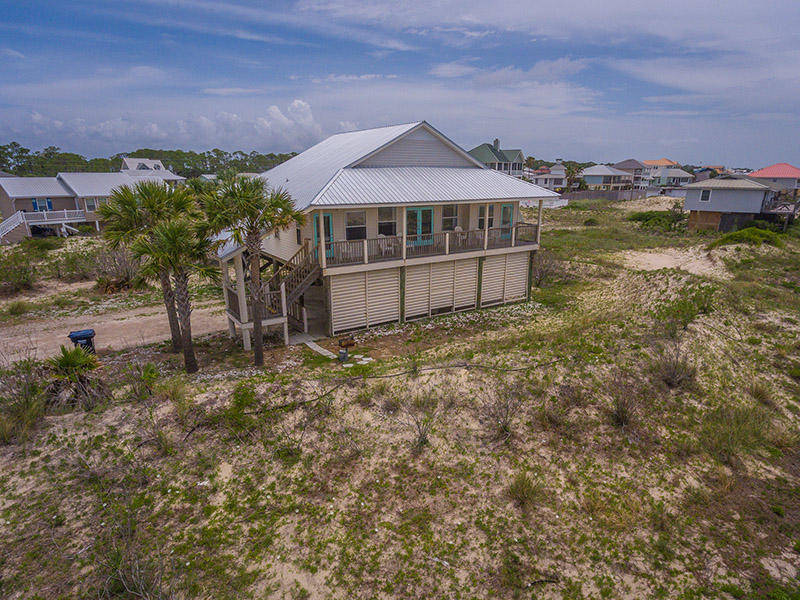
x=296 y=276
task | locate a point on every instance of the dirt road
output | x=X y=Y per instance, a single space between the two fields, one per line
x=115 y=330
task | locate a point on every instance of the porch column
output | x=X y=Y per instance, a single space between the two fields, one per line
x=321 y=238
x=285 y=314
x=405 y=232
x=486 y=226
x=241 y=294
x=539 y=221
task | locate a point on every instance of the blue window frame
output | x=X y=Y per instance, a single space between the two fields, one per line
x=419 y=224
x=328 y=225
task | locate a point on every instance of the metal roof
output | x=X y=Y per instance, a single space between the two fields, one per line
x=669 y=172
x=727 y=183
x=778 y=171
x=630 y=163
x=34 y=187
x=162 y=175
x=424 y=185
x=149 y=164
x=4 y=174
x=100 y=184
x=304 y=175
x=603 y=170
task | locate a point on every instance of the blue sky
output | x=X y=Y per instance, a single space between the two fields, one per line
x=699 y=82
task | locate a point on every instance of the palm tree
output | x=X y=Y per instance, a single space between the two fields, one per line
x=248 y=207
x=180 y=248
x=132 y=213
x=571 y=172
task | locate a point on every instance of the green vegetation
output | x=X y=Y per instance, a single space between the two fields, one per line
x=753 y=236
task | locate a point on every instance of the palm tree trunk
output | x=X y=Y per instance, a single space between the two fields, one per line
x=184 y=306
x=172 y=315
x=253 y=243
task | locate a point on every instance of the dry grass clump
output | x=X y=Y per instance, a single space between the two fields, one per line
x=672 y=367
x=500 y=407
x=761 y=392
x=525 y=491
x=729 y=431
x=545 y=267
x=420 y=414
x=626 y=401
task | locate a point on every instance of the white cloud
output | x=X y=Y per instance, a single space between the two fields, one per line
x=453 y=69
x=231 y=91
x=11 y=53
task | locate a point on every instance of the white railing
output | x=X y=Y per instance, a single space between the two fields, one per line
x=54 y=216
x=9 y=224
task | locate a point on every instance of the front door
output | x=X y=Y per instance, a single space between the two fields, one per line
x=419 y=224
x=506 y=219
x=328 y=226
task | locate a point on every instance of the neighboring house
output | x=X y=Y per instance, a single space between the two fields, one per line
x=603 y=177
x=637 y=170
x=507 y=161
x=554 y=178
x=4 y=174
x=781 y=176
x=28 y=204
x=665 y=177
x=726 y=202
x=208 y=176
x=149 y=167
x=401 y=223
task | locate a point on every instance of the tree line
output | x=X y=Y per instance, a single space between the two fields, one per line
x=47 y=162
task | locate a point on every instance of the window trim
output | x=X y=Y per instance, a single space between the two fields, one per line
x=708 y=197
x=348 y=228
x=482 y=207
x=392 y=221
x=94 y=204
x=453 y=218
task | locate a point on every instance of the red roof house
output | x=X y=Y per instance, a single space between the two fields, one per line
x=778 y=171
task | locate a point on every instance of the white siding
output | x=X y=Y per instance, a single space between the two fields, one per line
x=442 y=286
x=466 y=283
x=418 y=149
x=383 y=296
x=348 y=301
x=283 y=245
x=516 y=276
x=492 y=280
x=417 y=291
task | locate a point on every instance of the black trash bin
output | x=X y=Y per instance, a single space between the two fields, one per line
x=83 y=338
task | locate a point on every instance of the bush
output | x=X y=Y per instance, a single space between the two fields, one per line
x=75 y=385
x=672 y=367
x=75 y=265
x=22 y=403
x=41 y=245
x=666 y=220
x=142 y=378
x=19 y=307
x=545 y=267
x=591 y=222
x=625 y=401
x=750 y=235
x=118 y=270
x=761 y=392
x=499 y=410
x=676 y=316
x=17 y=272
x=420 y=415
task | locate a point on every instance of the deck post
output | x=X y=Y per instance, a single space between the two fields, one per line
x=241 y=294
x=366 y=252
x=447 y=242
x=321 y=240
x=285 y=314
x=405 y=233
x=486 y=226
x=539 y=221
x=513 y=235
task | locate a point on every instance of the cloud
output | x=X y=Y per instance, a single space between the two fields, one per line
x=11 y=53
x=231 y=91
x=347 y=78
x=453 y=69
x=66 y=88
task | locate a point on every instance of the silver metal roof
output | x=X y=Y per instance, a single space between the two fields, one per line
x=149 y=164
x=424 y=185
x=603 y=170
x=727 y=183
x=671 y=172
x=305 y=175
x=99 y=184
x=34 y=187
x=162 y=175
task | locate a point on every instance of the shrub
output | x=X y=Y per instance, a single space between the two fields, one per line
x=761 y=392
x=750 y=235
x=74 y=384
x=499 y=409
x=524 y=491
x=420 y=415
x=676 y=316
x=672 y=367
x=22 y=403
x=591 y=222
x=17 y=272
x=19 y=307
x=75 y=265
x=666 y=220
x=625 y=401
x=142 y=378
x=545 y=267
x=41 y=245
x=118 y=270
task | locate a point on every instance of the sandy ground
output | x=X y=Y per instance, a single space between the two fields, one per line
x=694 y=260
x=651 y=203
x=114 y=330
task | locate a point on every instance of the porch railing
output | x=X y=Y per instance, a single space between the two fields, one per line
x=352 y=252
x=54 y=216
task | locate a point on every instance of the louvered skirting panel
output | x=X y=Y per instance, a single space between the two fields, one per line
x=417 y=291
x=348 y=301
x=383 y=296
x=492 y=280
x=516 y=276
x=442 y=286
x=466 y=283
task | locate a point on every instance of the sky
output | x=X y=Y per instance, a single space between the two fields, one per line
x=697 y=81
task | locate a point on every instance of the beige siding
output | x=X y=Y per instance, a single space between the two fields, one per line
x=466 y=283
x=383 y=296
x=282 y=245
x=492 y=280
x=441 y=286
x=6 y=207
x=417 y=291
x=516 y=276
x=348 y=301
x=418 y=149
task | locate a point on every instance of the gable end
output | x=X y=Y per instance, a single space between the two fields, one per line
x=418 y=148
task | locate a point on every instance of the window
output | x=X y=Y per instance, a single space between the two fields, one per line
x=387 y=224
x=449 y=217
x=91 y=204
x=35 y=204
x=481 y=212
x=705 y=195
x=299 y=237
x=356 y=225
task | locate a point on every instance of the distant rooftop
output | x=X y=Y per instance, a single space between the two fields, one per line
x=660 y=162
x=726 y=182
x=778 y=171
